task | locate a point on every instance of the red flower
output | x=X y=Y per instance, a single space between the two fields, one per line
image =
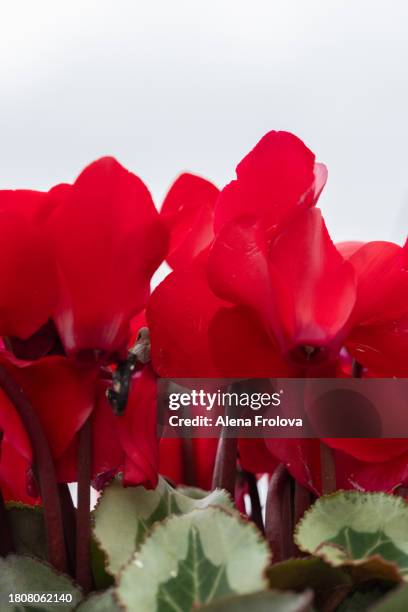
x=108 y=240
x=81 y=256
x=282 y=299
x=377 y=337
x=64 y=395
x=293 y=292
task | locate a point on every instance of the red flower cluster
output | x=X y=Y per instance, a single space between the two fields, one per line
x=75 y=270
x=269 y=294
x=258 y=289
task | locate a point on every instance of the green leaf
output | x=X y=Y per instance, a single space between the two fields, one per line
x=123 y=516
x=328 y=583
x=362 y=598
x=102 y=579
x=99 y=602
x=193 y=559
x=195 y=575
x=19 y=574
x=395 y=601
x=27 y=526
x=193 y=492
x=265 y=601
x=365 y=530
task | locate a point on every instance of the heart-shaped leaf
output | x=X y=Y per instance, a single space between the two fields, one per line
x=102 y=579
x=395 y=601
x=193 y=559
x=328 y=583
x=366 y=530
x=362 y=598
x=99 y=602
x=27 y=526
x=20 y=574
x=123 y=516
x=265 y=601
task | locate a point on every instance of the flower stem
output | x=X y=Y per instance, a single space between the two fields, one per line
x=83 y=526
x=69 y=520
x=279 y=515
x=327 y=469
x=357 y=369
x=46 y=470
x=6 y=540
x=226 y=465
x=256 y=510
x=302 y=502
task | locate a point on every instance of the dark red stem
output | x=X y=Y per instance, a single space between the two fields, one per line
x=6 y=539
x=225 y=469
x=327 y=469
x=256 y=509
x=302 y=502
x=83 y=526
x=69 y=520
x=279 y=515
x=46 y=470
x=357 y=369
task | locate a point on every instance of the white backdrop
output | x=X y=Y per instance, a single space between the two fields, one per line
x=172 y=85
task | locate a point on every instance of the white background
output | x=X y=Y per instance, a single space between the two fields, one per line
x=172 y=85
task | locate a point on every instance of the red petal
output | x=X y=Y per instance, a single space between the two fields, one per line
x=255 y=457
x=108 y=454
x=371 y=450
x=303 y=291
x=318 y=283
x=204 y=451
x=27 y=269
x=383 y=348
x=171 y=459
x=62 y=394
x=105 y=268
x=238 y=269
x=241 y=348
x=382 y=282
x=276 y=179
x=137 y=431
x=12 y=431
x=14 y=468
x=347 y=249
x=385 y=476
x=302 y=459
x=188 y=212
x=178 y=314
